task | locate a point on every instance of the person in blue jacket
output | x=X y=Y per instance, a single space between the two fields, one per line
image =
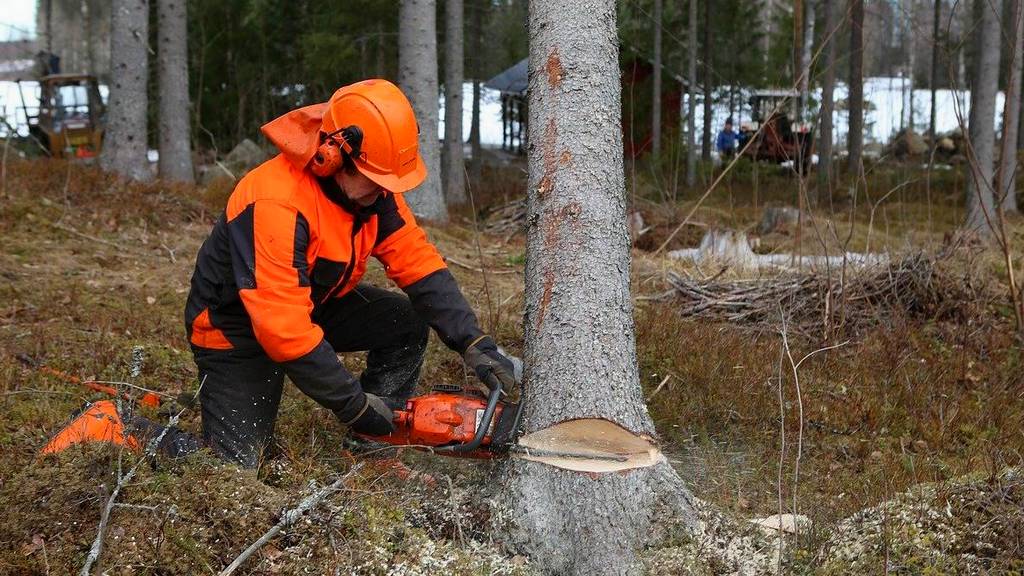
x=727 y=140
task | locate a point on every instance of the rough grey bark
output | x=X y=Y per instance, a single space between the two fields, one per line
x=705 y=149
x=124 y=143
x=656 y=88
x=691 y=80
x=806 y=54
x=417 y=75
x=981 y=129
x=828 y=86
x=855 y=136
x=1007 y=188
x=908 y=31
x=933 y=76
x=172 y=66
x=580 y=351
x=476 y=48
x=454 y=164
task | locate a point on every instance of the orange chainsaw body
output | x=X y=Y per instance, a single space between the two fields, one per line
x=441 y=419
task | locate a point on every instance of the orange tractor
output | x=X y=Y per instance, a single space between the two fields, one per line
x=68 y=122
x=775 y=139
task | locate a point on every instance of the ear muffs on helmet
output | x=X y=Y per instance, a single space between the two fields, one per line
x=328 y=158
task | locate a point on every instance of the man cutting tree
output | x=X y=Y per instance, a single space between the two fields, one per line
x=276 y=289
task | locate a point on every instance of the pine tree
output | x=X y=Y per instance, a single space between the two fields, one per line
x=172 y=66
x=125 y=140
x=417 y=75
x=587 y=515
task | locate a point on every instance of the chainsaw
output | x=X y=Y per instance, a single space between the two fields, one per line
x=453 y=421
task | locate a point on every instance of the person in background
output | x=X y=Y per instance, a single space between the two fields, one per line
x=727 y=140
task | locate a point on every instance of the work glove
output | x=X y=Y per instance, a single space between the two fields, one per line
x=375 y=418
x=492 y=367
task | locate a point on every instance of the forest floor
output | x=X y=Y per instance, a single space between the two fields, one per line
x=906 y=457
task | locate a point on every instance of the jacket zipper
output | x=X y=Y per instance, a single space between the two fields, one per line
x=356 y=227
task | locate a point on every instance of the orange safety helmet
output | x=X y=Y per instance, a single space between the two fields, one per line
x=371 y=121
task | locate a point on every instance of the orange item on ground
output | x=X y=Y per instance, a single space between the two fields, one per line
x=100 y=422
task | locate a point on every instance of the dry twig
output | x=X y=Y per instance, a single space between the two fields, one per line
x=289 y=518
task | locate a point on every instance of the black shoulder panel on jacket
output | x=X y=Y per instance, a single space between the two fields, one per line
x=243 y=248
x=438 y=300
x=299 y=247
x=389 y=220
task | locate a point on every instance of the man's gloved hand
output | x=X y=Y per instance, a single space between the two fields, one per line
x=375 y=418
x=492 y=367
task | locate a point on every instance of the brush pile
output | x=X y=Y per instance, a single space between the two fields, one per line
x=508 y=219
x=917 y=285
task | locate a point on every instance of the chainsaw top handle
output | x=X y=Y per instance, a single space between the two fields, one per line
x=482 y=427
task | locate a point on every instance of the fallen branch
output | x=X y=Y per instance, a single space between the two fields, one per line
x=122 y=481
x=289 y=518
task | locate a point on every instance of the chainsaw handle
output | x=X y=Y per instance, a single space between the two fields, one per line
x=481 y=429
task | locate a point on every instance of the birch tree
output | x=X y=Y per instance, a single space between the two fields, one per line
x=417 y=75
x=172 y=67
x=454 y=168
x=981 y=128
x=588 y=513
x=124 y=143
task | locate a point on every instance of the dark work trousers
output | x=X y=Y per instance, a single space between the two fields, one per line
x=241 y=389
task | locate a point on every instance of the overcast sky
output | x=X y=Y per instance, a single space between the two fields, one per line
x=18 y=14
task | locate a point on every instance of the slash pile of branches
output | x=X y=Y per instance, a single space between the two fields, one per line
x=508 y=219
x=915 y=286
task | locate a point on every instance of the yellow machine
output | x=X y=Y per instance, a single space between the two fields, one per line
x=68 y=123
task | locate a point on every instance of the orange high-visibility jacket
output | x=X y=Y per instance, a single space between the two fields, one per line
x=287 y=243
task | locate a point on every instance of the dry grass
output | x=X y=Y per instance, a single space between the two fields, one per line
x=90 y=267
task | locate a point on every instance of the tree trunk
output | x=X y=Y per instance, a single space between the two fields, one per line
x=933 y=76
x=656 y=90
x=855 y=137
x=691 y=80
x=476 y=56
x=417 y=75
x=124 y=143
x=908 y=38
x=980 y=199
x=705 y=150
x=175 y=133
x=582 y=393
x=454 y=164
x=807 y=48
x=1007 y=175
x=828 y=86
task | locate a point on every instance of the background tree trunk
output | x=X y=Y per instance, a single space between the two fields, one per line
x=454 y=165
x=475 y=58
x=580 y=350
x=656 y=90
x=1007 y=187
x=828 y=86
x=691 y=120
x=908 y=39
x=417 y=75
x=855 y=137
x=124 y=143
x=172 y=63
x=981 y=129
x=705 y=151
x=933 y=76
x=806 y=53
